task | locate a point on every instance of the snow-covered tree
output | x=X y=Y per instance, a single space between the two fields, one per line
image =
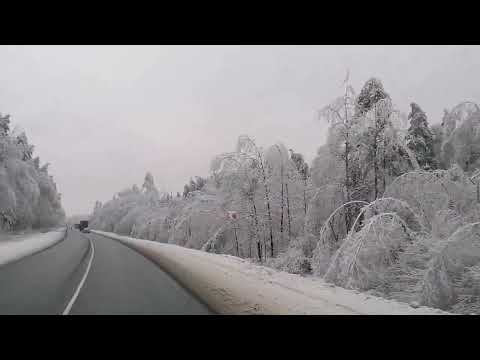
x=4 y=124
x=343 y=137
x=374 y=106
x=195 y=184
x=326 y=168
x=247 y=170
x=36 y=163
x=437 y=133
x=304 y=172
x=251 y=151
x=149 y=189
x=149 y=184
x=343 y=130
x=467 y=144
x=44 y=168
x=97 y=207
x=461 y=137
x=25 y=147
x=370 y=95
x=28 y=194
x=420 y=138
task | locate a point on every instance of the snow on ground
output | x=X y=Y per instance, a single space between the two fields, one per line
x=230 y=285
x=16 y=247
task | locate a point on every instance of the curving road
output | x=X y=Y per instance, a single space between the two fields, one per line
x=90 y=274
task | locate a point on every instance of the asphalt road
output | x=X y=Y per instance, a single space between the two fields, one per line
x=67 y=279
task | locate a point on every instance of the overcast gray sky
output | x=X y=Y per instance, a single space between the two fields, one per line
x=104 y=115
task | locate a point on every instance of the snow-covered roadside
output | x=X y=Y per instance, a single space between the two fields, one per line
x=230 y=285
x=17 y=247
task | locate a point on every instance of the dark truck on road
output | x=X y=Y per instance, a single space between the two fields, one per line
x=83 y=226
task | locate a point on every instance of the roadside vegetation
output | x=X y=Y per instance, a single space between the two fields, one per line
x=28 y=194
x=390 y=205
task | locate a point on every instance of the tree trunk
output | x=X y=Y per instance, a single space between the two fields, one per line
x=282 y=207
x=305 y=196
x=267 y=199
x=347 y=182
x=236 y=238
x=288 y=213
x=347 y=153
x=269 y=219
x=264 y=248
x=478 y=192
x=250 y=249
x=375 y=167
x=333 y=231
x=384 y=163
x=256 y=228
x=375 y=150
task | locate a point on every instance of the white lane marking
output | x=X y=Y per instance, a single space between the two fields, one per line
x=79 y=287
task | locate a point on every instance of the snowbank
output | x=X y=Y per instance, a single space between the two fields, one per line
x=453 y=276
x=230 y=285
x=16 y=248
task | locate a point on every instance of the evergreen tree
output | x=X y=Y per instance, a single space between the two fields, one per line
x=375 y=100
x=304 y=172
x=97 y=207
x=149 y=189
x=420 y=138
x=149 y=184
x=186 y=190
x=24 y=146
x=36 y=163
x=4 y=124
x=371 y=93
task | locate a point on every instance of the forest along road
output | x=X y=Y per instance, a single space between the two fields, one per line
x=90 y=274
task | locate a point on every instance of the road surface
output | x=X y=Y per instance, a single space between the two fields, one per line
x=90 y=274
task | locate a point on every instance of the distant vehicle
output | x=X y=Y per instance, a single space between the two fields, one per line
x=86 y=230
x=83 y=225
x=76 y=226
